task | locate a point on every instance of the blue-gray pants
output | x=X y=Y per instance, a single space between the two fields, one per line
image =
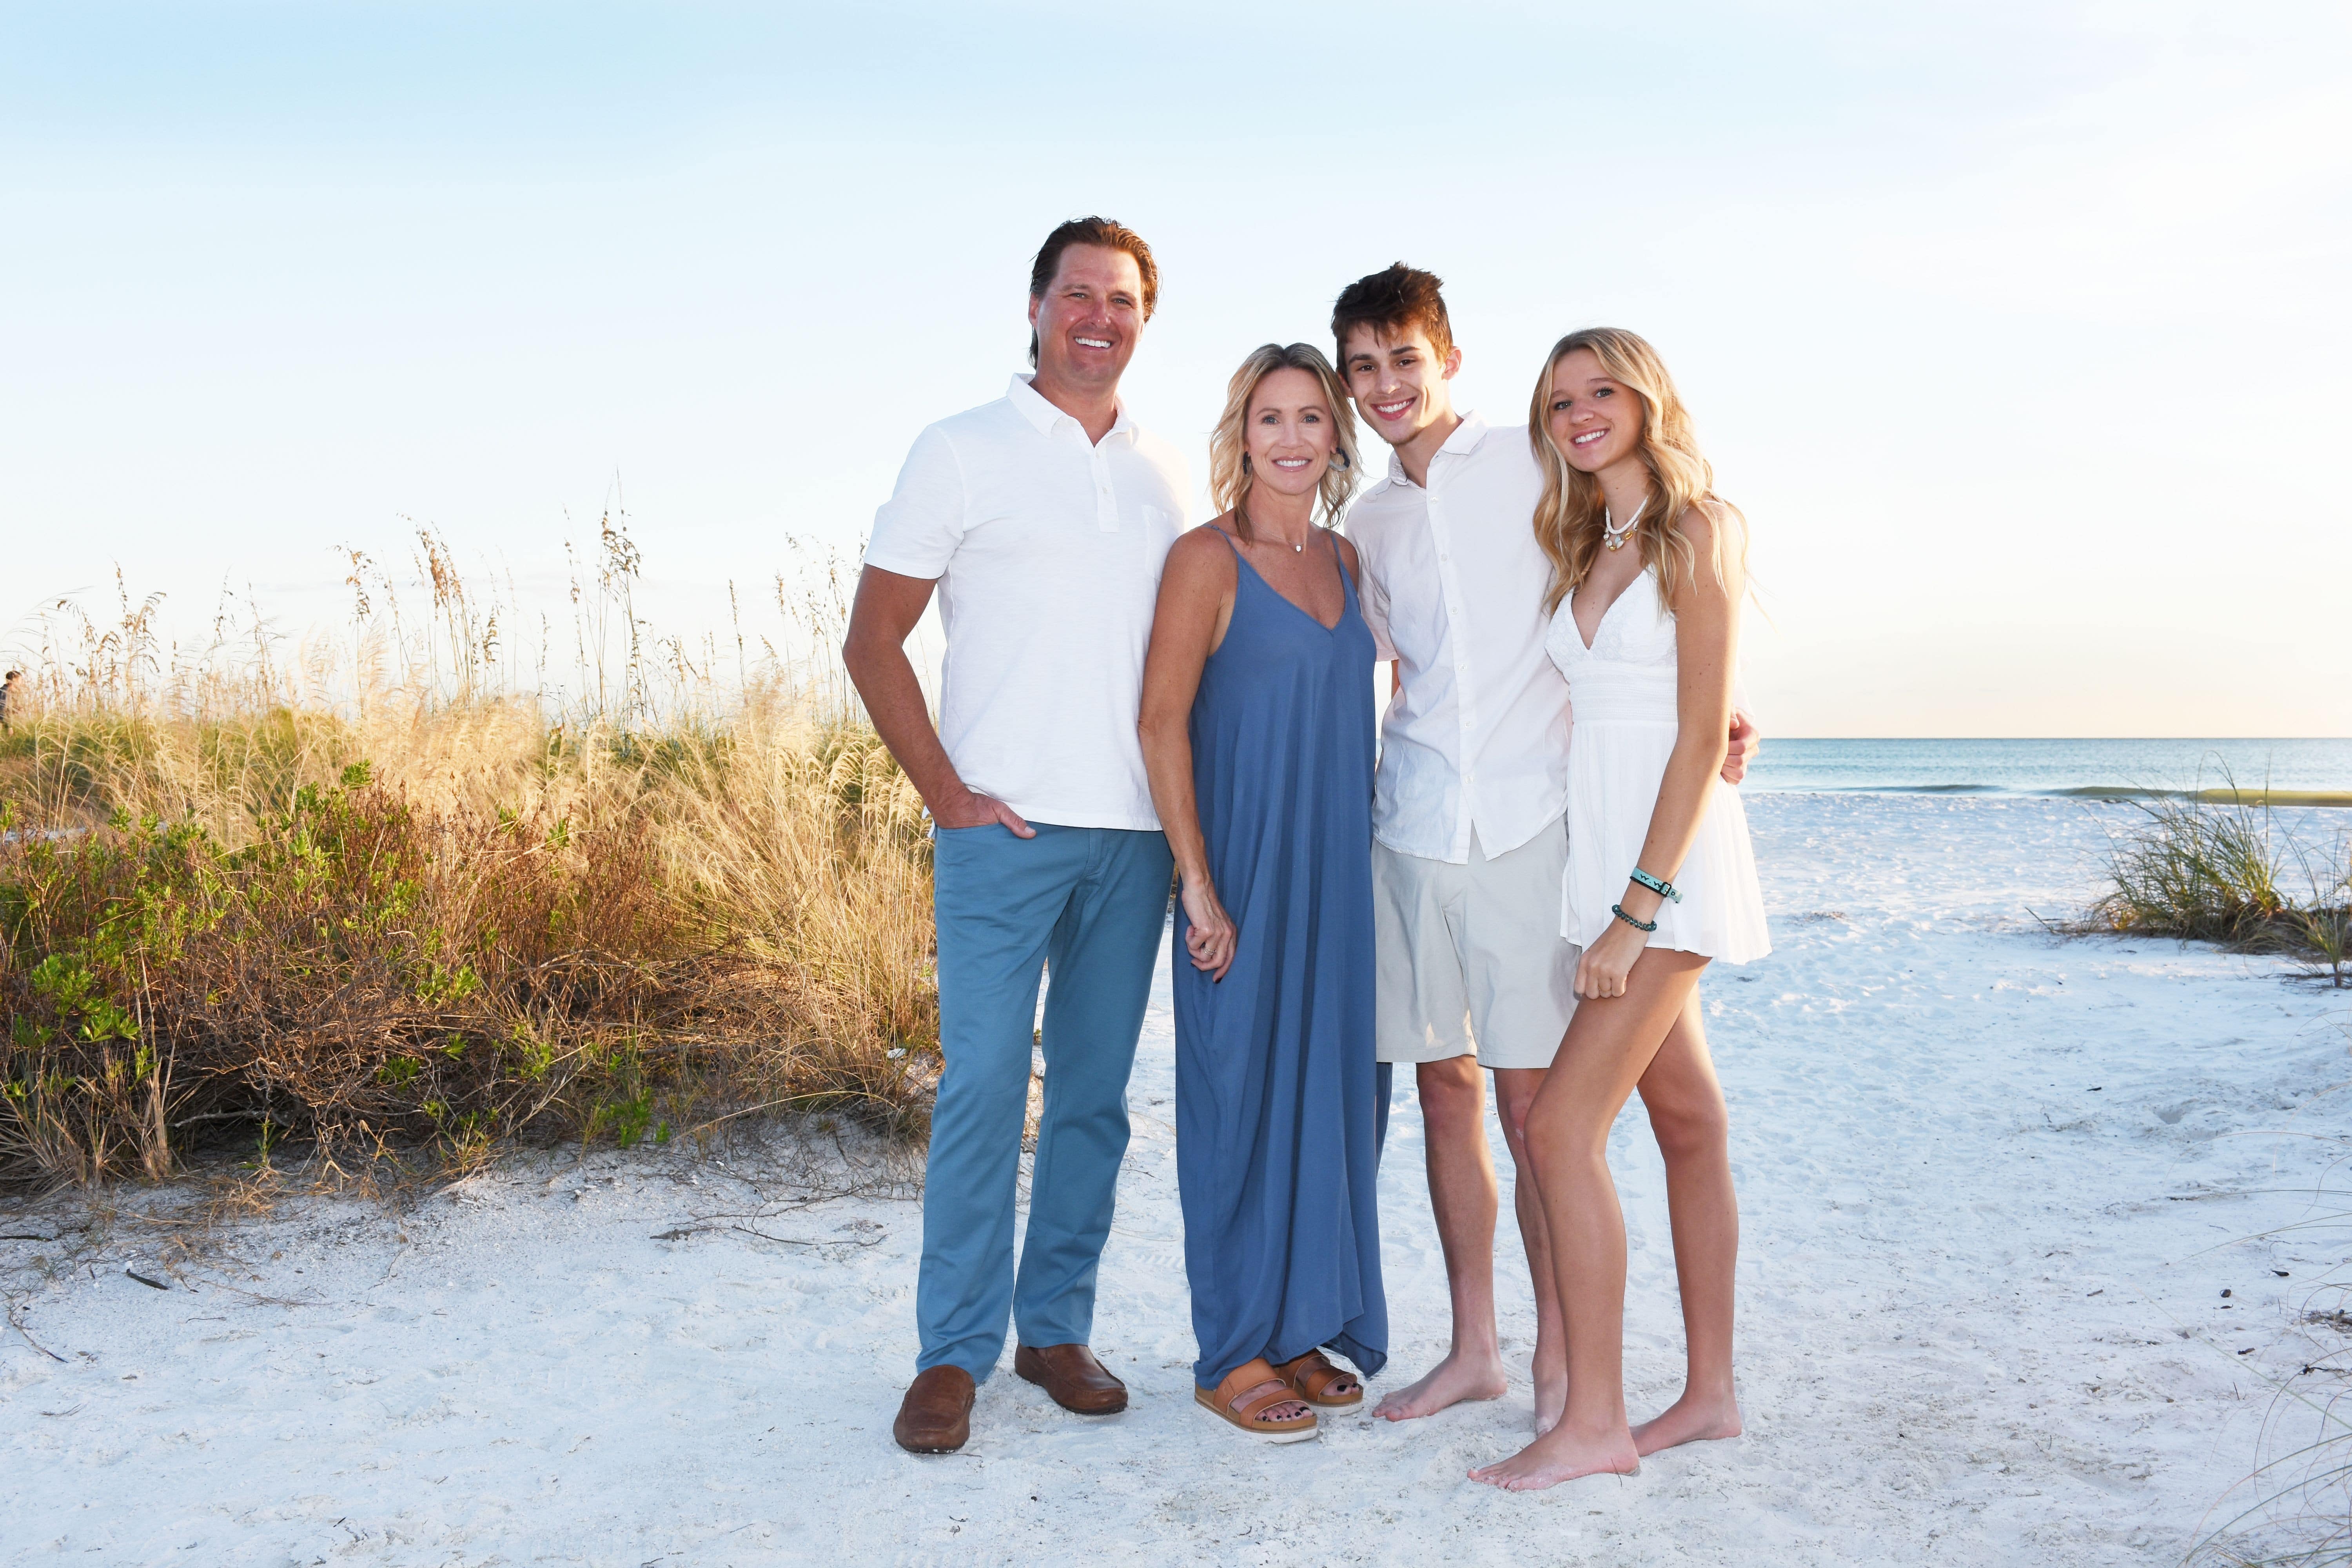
x=1089 y=903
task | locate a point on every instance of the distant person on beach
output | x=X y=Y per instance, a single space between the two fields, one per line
x=1258 y=731
x=1648 y=568
x=1470 y=813
x=7 y=695
x=1041 y=520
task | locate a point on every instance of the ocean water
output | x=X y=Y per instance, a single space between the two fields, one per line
x=2120 y=768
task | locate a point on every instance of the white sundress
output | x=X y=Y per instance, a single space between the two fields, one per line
x=1622 y=700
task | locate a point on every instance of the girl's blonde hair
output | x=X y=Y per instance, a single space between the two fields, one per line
x=1568 y=519
x=1230 y=479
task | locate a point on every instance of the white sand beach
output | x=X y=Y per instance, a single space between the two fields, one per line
x=1995 y=1308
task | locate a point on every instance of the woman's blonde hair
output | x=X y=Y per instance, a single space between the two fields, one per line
x=1570 y=516
x=1228 y=475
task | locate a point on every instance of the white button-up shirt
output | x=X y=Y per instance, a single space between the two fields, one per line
x=1477 y=737
x=1047 y=548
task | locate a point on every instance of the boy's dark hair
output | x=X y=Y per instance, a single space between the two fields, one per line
x=1393 y=302
x=1100 y=231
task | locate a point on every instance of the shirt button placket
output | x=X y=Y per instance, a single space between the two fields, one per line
x=1466 y=690
x=1106 y=499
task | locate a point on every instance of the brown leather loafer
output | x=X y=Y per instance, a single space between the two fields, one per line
x=1078 y=1382
x=936 y=1416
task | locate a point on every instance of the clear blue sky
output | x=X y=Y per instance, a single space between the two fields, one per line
x=2019 y=331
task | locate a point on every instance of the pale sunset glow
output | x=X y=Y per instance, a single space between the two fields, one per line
x=2017 y=330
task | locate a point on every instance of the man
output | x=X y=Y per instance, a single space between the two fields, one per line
x=1469 y=845
x=1041 y=519
x=7 y=690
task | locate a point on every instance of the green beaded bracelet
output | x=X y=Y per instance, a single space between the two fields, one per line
x=1619 y=910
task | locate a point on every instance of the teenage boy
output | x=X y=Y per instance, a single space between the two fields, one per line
x=1469 y=844
x=1041 y=519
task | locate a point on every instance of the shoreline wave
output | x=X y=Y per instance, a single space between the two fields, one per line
x=2125 y=792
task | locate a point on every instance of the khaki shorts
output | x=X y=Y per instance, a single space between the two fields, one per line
x=1471 y=958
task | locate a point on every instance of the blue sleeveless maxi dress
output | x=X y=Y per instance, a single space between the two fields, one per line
x=1276 y=1162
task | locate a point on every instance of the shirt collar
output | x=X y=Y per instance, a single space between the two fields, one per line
x=1046 y=418
x=1466 y=435
x=1465 y=438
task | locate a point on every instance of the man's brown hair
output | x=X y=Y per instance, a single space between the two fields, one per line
x=1100 y=231
x=1392 y=302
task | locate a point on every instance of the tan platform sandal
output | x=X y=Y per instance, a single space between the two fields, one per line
x=1248 y=1390
x=1310 y=1376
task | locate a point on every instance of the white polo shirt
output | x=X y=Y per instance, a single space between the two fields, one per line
x=1453 y=582
x=1047 y=548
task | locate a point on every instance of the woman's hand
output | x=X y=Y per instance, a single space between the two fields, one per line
x=1209 y=938
x=1601 y=971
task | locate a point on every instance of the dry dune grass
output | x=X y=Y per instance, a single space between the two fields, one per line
x=349 y=909
x=2207 y=868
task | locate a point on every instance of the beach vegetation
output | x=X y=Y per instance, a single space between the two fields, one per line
x=2293 y=1510
x=2220 y=866
x=397 y=900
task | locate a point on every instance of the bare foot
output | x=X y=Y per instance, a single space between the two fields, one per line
x=1552 y=1396
x=1690 y=1419
x=1450 y=1381
x=1561 y=1454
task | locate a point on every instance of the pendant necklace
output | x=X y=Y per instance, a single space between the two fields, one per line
x=1298 y=549
x=1613 y=536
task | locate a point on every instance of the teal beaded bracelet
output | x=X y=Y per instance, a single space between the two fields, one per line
x=1663 y=889
x=1619 y=910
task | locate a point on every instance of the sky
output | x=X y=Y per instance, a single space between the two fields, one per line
x=2018 y=331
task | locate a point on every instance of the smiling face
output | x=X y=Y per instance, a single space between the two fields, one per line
x=1290 y=432
x=1400 y=381
x=1594 y=420
x=1088 y=318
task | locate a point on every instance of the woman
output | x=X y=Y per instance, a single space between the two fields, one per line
x=1648 y=569
x=1257 y=728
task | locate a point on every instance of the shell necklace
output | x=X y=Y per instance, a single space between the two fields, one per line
x=1613 y=536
